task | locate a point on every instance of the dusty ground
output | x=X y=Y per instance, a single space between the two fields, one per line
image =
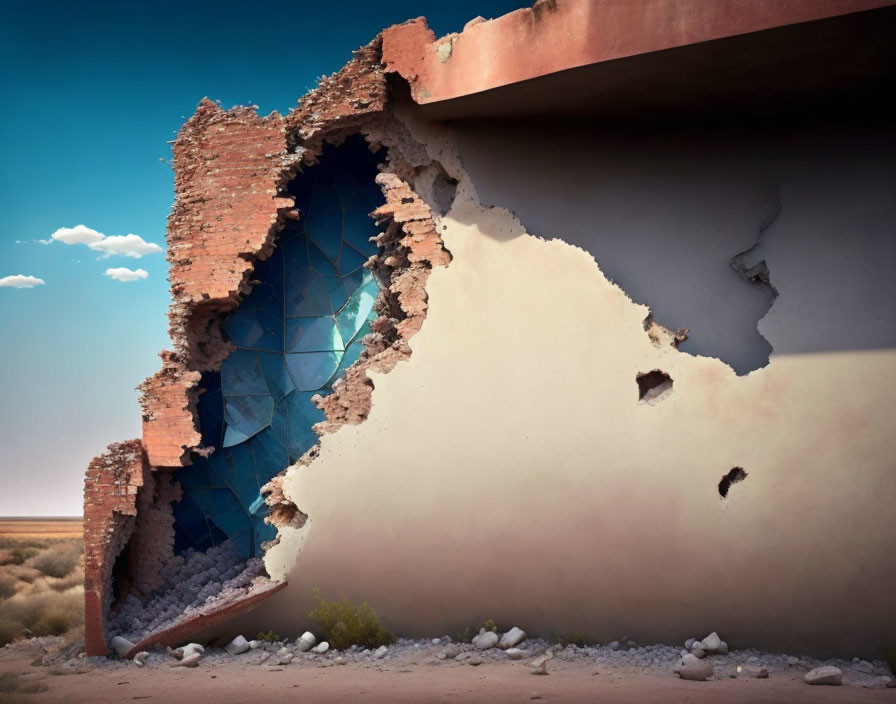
x=411 y=677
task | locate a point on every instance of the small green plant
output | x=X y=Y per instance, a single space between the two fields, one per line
x=269 y=637
x=343 y=625
x=490 y=626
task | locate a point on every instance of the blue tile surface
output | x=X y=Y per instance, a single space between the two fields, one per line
x=295 y=335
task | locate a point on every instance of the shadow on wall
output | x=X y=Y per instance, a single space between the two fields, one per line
x=705 y=228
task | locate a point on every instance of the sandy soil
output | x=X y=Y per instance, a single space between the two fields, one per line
x=37 y=528
x=406 y=679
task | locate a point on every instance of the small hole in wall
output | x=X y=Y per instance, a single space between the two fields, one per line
x=733 y=477
x=652 y=386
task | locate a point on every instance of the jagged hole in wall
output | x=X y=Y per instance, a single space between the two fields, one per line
x=295 y=334
x=737 y=474
x=653 y=386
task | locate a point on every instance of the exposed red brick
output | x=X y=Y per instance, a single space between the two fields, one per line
x=113 y=481
x=229 y=167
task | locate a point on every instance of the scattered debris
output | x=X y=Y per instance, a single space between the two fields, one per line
x=306 y=641
x=512 y=638
x=485 y=639
x=238 y=646
x=693 y=668
x=541 y=663
x=828 y=674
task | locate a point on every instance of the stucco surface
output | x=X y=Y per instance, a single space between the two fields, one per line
x=508 y=471
x=665 y=212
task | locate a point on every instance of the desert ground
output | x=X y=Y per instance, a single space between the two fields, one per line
x=416 y=677
x=41 y=597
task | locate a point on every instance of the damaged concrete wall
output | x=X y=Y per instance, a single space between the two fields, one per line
x=541 y=456
x=664 y=213
x=511 y=472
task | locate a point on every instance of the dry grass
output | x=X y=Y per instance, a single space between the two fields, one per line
x=41 y=586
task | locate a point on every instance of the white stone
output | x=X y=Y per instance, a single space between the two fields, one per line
x=613 y=645
x=689 y=642
x=380 y=652
x=541 y=664
x=140 y=658
x=759 y=673
x=693 y=668
x=238 y=646
x=485 y=640
x=188 y=649
x=512 y=638
x=436 y=641
x=191 y=660
x=697 y=650
x=122 y=646
x=306 y=641
x=865 y=666
x=517 y=653
x=713 y=645
x=321 y=647
x=793 y=660
x=285 y=658
x=827 y=674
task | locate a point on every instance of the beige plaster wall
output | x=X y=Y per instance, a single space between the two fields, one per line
x=508 y=471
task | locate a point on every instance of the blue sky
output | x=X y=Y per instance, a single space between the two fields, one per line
x=92 y=93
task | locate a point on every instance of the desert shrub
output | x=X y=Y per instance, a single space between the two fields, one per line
x=58 y=560
x=269 y=637
x=490 y=626
x=10 y=543
x=20 y=572
x=343 y=625
x=10 y=629
x=44 y=614
x=7 y=587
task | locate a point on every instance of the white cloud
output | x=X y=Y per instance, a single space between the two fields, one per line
x=79 y=234
x=132 y=246
x=21 y=281
x=122 y=273
x=128 y=245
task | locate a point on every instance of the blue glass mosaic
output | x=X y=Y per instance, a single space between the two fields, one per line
x=295 y=333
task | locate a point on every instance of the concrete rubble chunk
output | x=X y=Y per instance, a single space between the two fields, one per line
x=827 y=674
x=518 y=653
x=187 y=650
x=191 y=660
x=122 y=646
x=141 y=658
x=693 y=668
x=485 y=640
x=713 y=645
x=380 y=652
x=541 y=663
x=760 y=673
x=306 y=642
x=238 y=646
x=512 y=638
x=321 y=647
